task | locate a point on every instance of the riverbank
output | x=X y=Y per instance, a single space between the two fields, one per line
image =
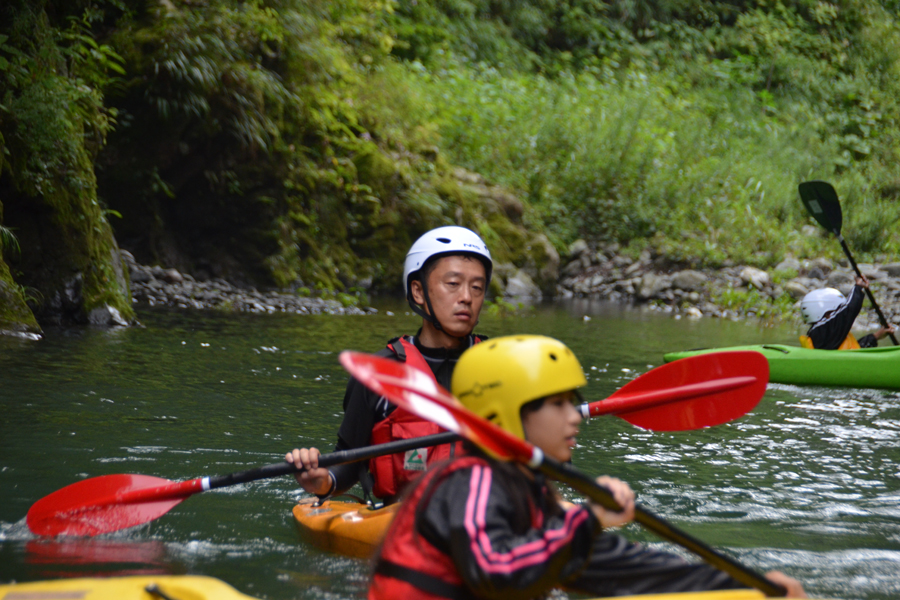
x=738 y=291
x=732 y=292
x=158 y=286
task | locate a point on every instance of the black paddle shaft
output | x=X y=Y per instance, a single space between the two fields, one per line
x=881 y=317
x=334 y=458
x=602 y=496
x=822 y=203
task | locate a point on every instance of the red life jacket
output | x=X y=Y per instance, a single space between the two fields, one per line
x=394 y=471
x=409 y=566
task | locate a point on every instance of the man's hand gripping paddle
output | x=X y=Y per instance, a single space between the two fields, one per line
x=414 y=391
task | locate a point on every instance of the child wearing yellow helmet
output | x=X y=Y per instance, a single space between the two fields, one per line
x=479 y=527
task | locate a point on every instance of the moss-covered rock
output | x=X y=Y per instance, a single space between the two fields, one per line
x=52 y=126
x=15 y=316
x=497 y=215
x=69 y=257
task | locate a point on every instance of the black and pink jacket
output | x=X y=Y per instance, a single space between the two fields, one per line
x=466 y=545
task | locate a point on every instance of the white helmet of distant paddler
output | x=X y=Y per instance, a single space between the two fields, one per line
x=443 y=241
x=818 y=302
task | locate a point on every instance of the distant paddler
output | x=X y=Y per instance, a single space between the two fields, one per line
x=830 y=316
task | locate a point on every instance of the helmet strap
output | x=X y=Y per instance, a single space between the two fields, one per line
x=429 y=315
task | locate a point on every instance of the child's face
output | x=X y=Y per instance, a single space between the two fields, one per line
x=553 y=426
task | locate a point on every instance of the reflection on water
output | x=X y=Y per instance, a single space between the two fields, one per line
x=87 y=557
x=809 y=483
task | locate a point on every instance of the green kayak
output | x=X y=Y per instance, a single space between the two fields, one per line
x=864 y=368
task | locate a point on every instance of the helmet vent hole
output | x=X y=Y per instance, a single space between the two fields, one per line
x=552 y=356
x=443 y=240
x=491 y=417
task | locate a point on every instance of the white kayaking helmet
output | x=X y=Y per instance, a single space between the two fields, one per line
x=818 y=302
x=437 y=243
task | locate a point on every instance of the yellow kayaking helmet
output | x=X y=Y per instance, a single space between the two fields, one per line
x=496 y=378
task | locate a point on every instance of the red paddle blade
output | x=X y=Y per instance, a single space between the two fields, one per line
x=95 y=506
x=413 y=390
x=693 y=394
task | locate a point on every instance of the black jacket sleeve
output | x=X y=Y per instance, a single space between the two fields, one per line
x=469 y=518
x=355 y=432
x=868 y=341
x=829 y=333
x=618 y=567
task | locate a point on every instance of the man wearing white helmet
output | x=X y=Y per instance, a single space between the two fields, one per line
x=445 y=277
x=831 y=316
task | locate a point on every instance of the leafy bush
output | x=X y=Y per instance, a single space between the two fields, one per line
x=694 y=152
x=752 y=303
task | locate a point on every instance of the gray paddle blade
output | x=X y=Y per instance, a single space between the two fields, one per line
x=822 y=203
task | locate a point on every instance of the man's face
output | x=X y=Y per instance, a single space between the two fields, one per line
x=456 y=288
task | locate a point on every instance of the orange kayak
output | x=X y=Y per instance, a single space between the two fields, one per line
x=347 y=528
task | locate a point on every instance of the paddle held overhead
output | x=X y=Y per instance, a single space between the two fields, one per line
x=822 y=202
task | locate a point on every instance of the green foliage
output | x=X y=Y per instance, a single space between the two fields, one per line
x=8 y=241
x=356 y=297
x=694 y=133
x=752 y=303
x=782 y=276
x=52 y=116
x=619 y=162
x=313 y=141
x=289 y=169
x=53 y=122
x=206 y=65
x=501 y=308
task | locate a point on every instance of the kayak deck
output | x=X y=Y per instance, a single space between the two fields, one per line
x=863 y=368
x=347 y=528
x=194 y=587
x=711 y=595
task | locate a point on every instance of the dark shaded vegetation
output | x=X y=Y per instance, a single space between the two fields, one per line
x=307 y=143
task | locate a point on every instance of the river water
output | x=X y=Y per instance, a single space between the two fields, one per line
x=808 y=483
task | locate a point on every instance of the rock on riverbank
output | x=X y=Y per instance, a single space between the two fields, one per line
x=157 y=286
x=606 y=274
